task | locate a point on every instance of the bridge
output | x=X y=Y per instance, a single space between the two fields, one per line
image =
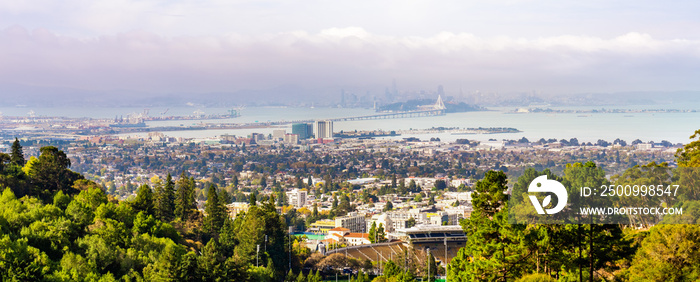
x=437 y=109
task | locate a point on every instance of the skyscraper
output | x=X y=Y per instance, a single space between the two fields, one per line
x=304 y=130
x=324 y=129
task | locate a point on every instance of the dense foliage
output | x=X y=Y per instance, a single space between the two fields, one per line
x=498 y=250
x=64 y=228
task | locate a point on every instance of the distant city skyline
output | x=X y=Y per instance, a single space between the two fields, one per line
x=156 y=48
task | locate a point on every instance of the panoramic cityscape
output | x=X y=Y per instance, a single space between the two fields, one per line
x=349 y=141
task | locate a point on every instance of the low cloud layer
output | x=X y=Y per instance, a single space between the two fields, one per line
x=340 y=57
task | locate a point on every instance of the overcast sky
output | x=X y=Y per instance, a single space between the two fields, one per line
x=228 y=45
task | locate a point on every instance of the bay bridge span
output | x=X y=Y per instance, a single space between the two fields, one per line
x=438 y=109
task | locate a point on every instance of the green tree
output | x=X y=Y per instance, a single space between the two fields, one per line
x=669 y=253
x=251 y=229
x=489 y=196
x=144 y=200
x=410 y=222
x=166 y=268
x=216 y=212
x=412 y=187
x=50 y=173
x=389 y=206
x=290 y=276
x=184 y=197
x=401 y=190
x=253 y=201
x=17 y=155
x=61 y=200
x=20 y=261
x=599 y=245
x=373 y=232
x=440 y=185
x=689 y=155
x=188 y=270
x=165 y=199
x=381 y=234
x=211 y=262
x=494 y=251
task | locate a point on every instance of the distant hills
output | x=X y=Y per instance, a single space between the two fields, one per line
x=13 y=94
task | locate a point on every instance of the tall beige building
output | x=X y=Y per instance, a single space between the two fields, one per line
x=323 y=129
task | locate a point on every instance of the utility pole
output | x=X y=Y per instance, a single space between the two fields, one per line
x=381 y=257
x=426 y=258
x=291 y=230
x=257 y=255
x=445 y=259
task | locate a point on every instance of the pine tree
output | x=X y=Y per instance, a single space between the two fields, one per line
x=165 y=199
x=389 y=206
x=144 y=200
x=317 y=276
x=373 y=233
x=489 y=196
x=184 y=198
x=412 y=186
x=188 y=269
x=253 y=201
x=290 y=277
x=215 y=212
x=494 y=250
x=234 y=181
x=381 y=235
x=402 y=188
x=17 y=156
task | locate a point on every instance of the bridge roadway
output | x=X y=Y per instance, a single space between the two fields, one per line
x=394 y=115
x=409 y=114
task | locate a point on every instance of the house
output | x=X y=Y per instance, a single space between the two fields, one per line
x=340 y=235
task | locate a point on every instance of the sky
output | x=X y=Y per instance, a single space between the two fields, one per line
x=224 y=46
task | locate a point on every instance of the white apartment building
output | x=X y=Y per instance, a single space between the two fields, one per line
x=353 y=221
x=296 y=198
